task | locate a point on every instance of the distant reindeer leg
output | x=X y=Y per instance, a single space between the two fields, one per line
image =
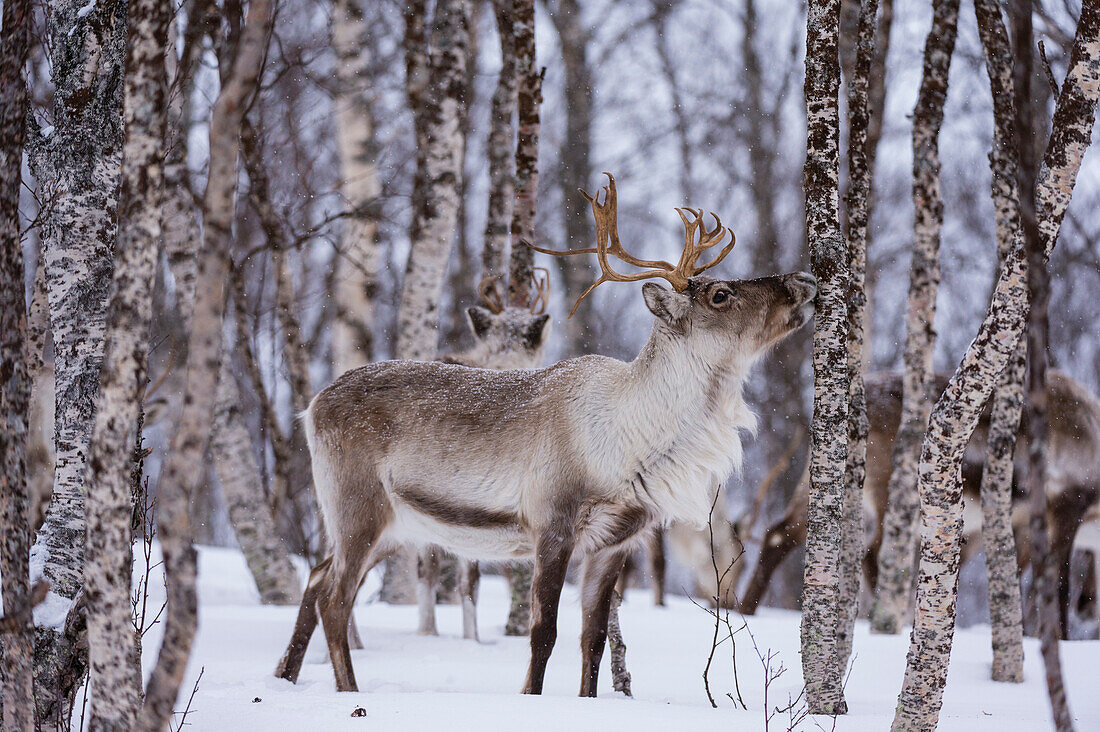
x=601 y=570
x=657 y=564
x=551 y=560
x=1066 y=512
x=469 y=577
x=427 y=581
x=780 y=540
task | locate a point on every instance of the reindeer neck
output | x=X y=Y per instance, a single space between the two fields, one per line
x=674 y=377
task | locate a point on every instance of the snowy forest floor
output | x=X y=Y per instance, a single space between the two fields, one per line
x=410 y=682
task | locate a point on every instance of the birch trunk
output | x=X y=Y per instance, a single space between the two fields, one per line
x=439 y=107
x=501 y=146
x=77 y=164
x=1005 y=610
x=438 y=207
x=858 y=203
x=527 y=155
x=829 y=261
x=239 y=475
x=357 y=260
x=191 y=438
x=17 y=646
x=114 y=662
x=957 y=412
x=895 y=559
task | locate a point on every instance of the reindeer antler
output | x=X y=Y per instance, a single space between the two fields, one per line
x=490 y=295
x=607 y=242
x=542 y=290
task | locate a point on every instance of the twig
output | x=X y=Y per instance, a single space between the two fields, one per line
x=187 y=709
x=1049 y=71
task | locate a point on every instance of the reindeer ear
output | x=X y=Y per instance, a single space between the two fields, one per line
x=671 y=307
x=480 y=319
x=537 y=331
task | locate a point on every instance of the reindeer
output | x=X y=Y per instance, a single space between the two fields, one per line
x=580 y=457
x=504 y=338
x=1073 y=482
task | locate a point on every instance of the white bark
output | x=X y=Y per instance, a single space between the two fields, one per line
x=357 y=258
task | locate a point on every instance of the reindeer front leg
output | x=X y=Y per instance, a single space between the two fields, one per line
x=601 y=570
x=552 y=552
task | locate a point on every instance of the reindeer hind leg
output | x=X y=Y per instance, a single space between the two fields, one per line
x=291 y=663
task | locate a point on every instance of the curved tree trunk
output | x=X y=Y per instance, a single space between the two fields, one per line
x=957 y=412
x=829 y=260
x=1070 y=136
x=1005 y=610
x=895 y=560
x=113 y=655
x=17 y=647
x=191 y=438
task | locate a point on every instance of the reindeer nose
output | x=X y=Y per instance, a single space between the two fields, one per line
x=804 y=284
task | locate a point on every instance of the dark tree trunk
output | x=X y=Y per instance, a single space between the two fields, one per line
x=17 y=647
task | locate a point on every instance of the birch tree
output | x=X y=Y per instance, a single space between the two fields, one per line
x=956 y=413
x=189 y=442
x=76 y=164
x=114 y=670
x=437 y=210
x=437 y=102
x=1005 y=610
x=895 y=559
x=358 y=259
x=829 y=261
x=17 y=646
x=858 y=206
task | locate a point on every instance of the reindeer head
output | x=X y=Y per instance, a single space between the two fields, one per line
x=726 y=318
x=510 y=337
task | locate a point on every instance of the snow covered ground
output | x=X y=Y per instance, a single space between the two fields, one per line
x=412 y=683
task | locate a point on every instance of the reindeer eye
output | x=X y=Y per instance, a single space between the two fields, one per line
x=720 y=296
